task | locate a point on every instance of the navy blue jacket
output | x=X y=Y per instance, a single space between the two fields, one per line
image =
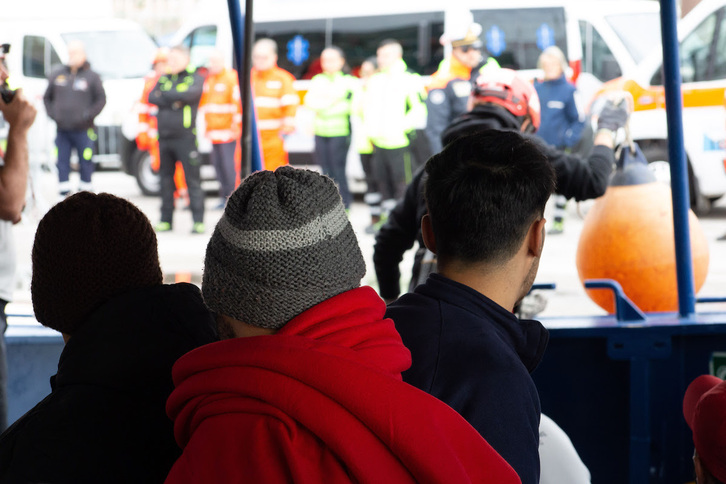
x=477 y=357
x=560 y=124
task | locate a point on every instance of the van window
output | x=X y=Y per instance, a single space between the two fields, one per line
x=418 y=33
x=39 y=57
x=516 y=38
x=117 y=54
x=310 y=35
x=597 y=58
x=719 y=58
x=200 y=42
x=359 y=38
x=639 y=32
x=696 y=52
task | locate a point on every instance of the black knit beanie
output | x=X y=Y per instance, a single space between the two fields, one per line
x=89 y=248
x=283 y=245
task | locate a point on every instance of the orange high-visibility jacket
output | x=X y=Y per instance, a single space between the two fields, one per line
x=275 y=103
x=220 y=105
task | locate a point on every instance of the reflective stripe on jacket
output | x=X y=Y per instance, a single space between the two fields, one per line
x=393 y=106
x=221 y=107
x=275 y=97
x=330 y=96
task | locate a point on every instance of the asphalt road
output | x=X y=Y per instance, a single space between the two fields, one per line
x=182 y=253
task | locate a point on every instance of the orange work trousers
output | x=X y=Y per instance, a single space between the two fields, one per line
x=273 y=150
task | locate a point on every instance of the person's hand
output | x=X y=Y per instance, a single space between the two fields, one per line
x=19 y=113
x=613 y=116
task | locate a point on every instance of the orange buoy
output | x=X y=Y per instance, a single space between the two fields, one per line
x=628 y=237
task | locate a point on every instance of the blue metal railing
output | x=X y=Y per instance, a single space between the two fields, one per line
x=677 y=157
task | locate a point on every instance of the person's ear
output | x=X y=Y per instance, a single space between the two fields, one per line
x=536 y=237
x=427 y=232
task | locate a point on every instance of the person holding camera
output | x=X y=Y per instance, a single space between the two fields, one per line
x=19 y=114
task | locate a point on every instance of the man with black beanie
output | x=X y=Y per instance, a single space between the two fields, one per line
x=97 y=280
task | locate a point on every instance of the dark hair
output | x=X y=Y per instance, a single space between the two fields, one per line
x=373 y=60
x=483 y=192
x=387 y=42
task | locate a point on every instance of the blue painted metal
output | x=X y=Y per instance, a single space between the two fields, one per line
x=543 y=286
x=711 y=299
x=677 y=157
x=625 y=310
x=241 y=30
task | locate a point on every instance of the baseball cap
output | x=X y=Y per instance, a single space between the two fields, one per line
x=704 y=407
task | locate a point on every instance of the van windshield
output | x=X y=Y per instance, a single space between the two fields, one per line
x=516 y=38
x=118 y=54
x=640 y=32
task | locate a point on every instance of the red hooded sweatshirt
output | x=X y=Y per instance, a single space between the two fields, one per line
x=320 y=401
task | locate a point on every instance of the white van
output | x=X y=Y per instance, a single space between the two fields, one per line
x=702 y=39
x=120 y=51
x=602 y=39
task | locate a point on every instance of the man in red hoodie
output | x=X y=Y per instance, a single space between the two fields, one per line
x=306 y=385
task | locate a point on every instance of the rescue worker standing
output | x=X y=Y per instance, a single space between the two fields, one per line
x=220 y=105
x=147 y=138
x=330 y=97
x=73 y=99
x=177 y=96
x=275 y=102
x=393 y=105
x=450 y=86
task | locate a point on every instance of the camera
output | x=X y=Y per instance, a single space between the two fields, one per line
x=6 y=93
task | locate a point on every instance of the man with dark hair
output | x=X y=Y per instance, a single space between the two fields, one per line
x=306 y=386
x=500 y=100
x=704 y=408
x=485 y=195
x=177 y=96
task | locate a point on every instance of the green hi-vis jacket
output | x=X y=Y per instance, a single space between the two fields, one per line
x=330 y=96
x=393 y=106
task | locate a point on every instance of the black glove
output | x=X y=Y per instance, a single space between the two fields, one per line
x=613 y=116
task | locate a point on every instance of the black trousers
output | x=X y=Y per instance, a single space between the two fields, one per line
x=331 y=154
x=223 y=160
x=184 y=150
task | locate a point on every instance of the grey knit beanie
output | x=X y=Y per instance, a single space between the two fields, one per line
x=283 y=245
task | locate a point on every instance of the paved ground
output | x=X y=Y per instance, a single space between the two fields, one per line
x=182 y=253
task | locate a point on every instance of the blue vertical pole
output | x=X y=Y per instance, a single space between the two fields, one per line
x=242 y=38
x=677 y=157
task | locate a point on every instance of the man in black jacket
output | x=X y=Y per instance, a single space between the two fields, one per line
x=485 y=193
x=105 y=418
x=177 y=95
x=501 y=100
x=73 y=99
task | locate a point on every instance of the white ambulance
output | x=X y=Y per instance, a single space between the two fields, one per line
x=702 y=40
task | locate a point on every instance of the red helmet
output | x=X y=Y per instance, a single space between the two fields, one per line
x=506 y=88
